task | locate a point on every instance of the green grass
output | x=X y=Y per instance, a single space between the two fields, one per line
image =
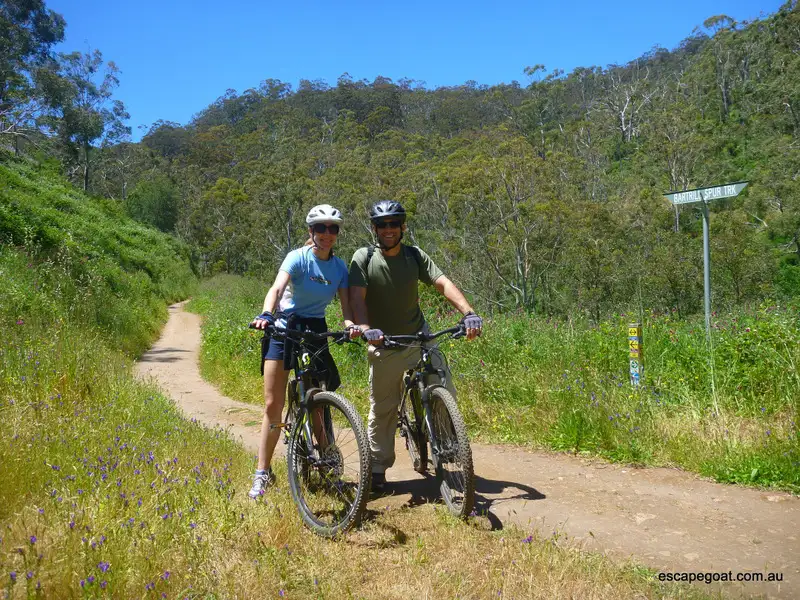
x=107 y=492
x=545 y=383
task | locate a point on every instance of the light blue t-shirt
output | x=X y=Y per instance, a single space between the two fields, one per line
x=312 y=283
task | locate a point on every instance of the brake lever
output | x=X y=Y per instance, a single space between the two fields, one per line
x=340 y=340
x=460 y=333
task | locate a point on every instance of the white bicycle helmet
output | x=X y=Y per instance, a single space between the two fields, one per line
x=324 y=213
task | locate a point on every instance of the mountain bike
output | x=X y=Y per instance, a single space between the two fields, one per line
x=429 y=416
x=328 y=451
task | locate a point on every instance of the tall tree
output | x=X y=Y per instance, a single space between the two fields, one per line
x=83 y=110
x=28 y=30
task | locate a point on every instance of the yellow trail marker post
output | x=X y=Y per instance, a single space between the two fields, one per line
x=635 y=353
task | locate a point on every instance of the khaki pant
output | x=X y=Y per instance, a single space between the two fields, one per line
x=386 y=369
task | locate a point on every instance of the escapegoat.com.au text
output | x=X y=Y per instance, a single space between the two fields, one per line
x=716 y=576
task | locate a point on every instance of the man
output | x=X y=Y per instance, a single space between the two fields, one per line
x=384 y=297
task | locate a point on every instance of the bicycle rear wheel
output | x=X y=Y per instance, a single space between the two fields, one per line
x=329 y=482
x=413 y=432
x=453 y=463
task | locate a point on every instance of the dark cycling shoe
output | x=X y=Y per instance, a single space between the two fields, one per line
x=378 y=484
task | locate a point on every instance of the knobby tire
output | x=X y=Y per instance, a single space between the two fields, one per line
x=454 y=471
x=330 y=498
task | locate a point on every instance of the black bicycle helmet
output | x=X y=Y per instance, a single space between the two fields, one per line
x=385 y=209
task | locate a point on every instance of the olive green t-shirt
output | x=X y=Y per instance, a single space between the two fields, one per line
x=392 y=288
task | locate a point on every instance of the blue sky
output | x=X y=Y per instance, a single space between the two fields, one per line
x=178 y=56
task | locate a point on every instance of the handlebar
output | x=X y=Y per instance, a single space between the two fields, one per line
x=390 y=341
x=338 y=337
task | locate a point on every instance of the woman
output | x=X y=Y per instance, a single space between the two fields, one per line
x=306 y=283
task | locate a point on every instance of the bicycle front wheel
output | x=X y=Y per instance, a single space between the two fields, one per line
x=453 y=462
x=329 y=474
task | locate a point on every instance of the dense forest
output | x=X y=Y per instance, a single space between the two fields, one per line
x=544 y=196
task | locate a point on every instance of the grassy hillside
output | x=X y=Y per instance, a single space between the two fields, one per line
x=83 y=259
x=106 y=491
x=730 y=413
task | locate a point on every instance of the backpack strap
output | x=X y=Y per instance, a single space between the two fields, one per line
x=415 y=253
x=413 y=250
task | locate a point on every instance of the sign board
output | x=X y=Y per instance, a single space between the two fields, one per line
x=705 y=194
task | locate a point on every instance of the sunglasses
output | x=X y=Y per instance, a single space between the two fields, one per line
x=389 y=224
x=322 y=228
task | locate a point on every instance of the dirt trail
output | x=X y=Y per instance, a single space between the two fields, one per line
x=663 y=518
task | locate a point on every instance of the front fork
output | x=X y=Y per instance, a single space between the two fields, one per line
x=425 y=393
x=312 y=421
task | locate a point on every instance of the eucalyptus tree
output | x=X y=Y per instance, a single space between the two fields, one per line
x=627 y=91
x=28 y=31
x=511 y=203
x=723 y=55
x=219 y=221
x=82 y=108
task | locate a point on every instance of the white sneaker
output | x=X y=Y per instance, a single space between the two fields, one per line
x=261 y=483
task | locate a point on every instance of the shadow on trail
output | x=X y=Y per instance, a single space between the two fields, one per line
x=154 y=355
x=492 y=487
x=487 y=493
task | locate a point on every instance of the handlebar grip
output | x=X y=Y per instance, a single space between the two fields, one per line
x=267 y=329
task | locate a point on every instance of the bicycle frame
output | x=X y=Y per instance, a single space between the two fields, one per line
x=416 y=381
x=301 y=391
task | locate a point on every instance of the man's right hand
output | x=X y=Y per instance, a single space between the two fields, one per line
x=263 y=320
x=373 y=336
